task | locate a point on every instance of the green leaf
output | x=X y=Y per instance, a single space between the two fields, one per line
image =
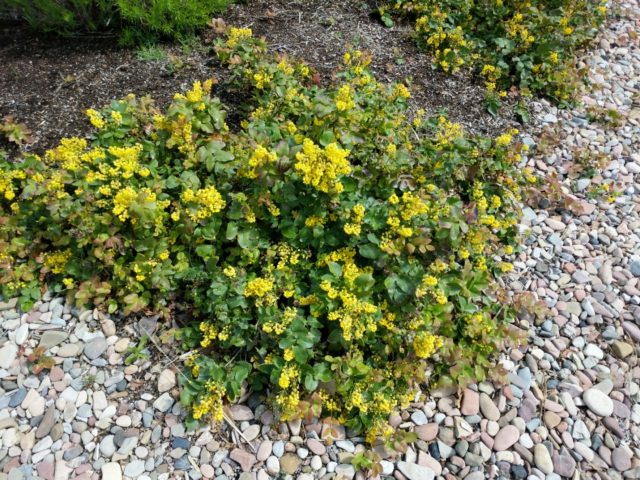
x=248 y=239
x=204 y=251
x=310 y=383
x=326 y=138
x=335 y=269
x=365 y=281
x=369 y=251
x=241 y=371
x=232 y=231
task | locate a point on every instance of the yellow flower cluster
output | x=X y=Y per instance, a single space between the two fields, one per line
x=122 y=201
x=209 y=333
x=56 y=261
x=401 y=91
x=116 y=116
x=259 y=158
x=322 y=168
x=515 y=28
x=258 y=287
x=261 y=79
x=314 y=220
x=506 y=138
x=479 y=324
x=126 y=161
x=211 y=404
x=448 y=132
x=69 y=153
x=345 y=98
x=95 y=118
x=208 y=202
x=425 y=344
x=446 y=42
x=357 y=400
x=288 y=403
x=237 y=34
x=355 y=316
x=289 y=374
x=6 y=182
x=357 y=215
x=491 y=75
x=280 y=326
x=196 y=95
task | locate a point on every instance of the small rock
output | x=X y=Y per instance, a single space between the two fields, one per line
x=598 y=402
x=22 y=332
x=488 y=408
x=51 y=338
x=621 y=349
x=507 y=436
x=564 y=465
x=95 y=348
x=134 y=469
x=621 y=459
x=8 y=354
x=427 y=432
x=470 y=402
x=413 y=471
x=241 y=413
x=542 y=458
x=243 y=458
x=316 y=446
x=289 y=463
x=166 y=380
x=112 y=471
x=163 y=403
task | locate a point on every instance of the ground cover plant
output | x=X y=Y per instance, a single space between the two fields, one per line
x=329 y=248
x=136 y=21
x=529 y=46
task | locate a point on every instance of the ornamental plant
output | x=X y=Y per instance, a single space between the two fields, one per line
x=331 y=250
x=137 y=21
x=528 y=45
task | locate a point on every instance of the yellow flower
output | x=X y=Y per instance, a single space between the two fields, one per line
x=237 y=34
x=258 y=287
x=321 y=168
x=425 y=344
x=229 y=271
x=344 y=98
x=95 y=118
x=116 y=116
x=288 y=354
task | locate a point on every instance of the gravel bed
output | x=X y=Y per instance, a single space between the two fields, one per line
x=570 y=408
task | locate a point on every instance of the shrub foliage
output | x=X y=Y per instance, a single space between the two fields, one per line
x=136 y=19
x=330 y=248
x=530 y=45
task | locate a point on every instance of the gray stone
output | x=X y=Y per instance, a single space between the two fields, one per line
x=413 y=471
x=51 y=338
x=163 y=403
x=95 y=348
x=134 y=469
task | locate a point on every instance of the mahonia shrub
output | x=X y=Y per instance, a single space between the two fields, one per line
x=530 y=45
x=331 y=249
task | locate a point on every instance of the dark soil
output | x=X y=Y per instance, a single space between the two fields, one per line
x=48 y=82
